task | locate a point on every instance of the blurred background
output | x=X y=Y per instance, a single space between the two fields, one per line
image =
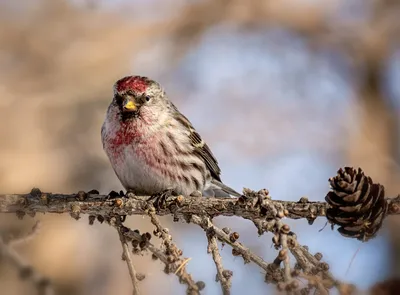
x=285 y=92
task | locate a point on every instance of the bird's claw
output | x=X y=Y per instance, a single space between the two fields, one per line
x=113 y=195
x=129 y=193
x=196 y=194
x=160 y=200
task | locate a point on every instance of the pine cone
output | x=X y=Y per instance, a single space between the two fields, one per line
x=357 y=204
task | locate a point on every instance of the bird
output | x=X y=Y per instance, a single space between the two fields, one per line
x=153 y=148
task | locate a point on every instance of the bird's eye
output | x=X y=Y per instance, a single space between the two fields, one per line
x=147 y=98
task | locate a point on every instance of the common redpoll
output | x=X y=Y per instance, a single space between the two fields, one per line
x=153 y=147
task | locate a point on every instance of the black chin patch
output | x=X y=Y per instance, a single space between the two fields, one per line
x=128 y=116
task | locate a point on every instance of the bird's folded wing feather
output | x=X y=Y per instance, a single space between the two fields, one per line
x=200 y=147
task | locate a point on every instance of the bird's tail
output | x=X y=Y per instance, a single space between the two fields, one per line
x=221 y=190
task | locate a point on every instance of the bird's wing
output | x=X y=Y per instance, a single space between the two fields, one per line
x=204 y=151
x=103 y=130
x=200 y=147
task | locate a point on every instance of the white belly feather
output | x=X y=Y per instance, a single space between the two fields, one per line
x=134 y=173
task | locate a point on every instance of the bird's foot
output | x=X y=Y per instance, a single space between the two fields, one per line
x=113 y=195
x=160 y=200
x=130 y=193
x=196 y=194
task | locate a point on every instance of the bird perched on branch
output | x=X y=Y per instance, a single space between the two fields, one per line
x=153 y=148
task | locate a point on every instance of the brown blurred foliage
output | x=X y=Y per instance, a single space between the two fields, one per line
x=58 y=60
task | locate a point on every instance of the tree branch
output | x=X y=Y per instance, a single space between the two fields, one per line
x=93 y=204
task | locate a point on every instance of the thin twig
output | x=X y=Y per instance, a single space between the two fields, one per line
x=175 y=267
x=26 y=238
x=352 y=260
x=127 y=257
x=26 y=271
x=245 y=252
x=224 y=276
x=184 y=262
x=286 y=264
x=313 y=268
x=174 y=253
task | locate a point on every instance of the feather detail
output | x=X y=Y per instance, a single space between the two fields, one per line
x=200 y=147
x=225 y=188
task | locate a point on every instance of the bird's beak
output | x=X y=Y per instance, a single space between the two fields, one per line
x=129 y=105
